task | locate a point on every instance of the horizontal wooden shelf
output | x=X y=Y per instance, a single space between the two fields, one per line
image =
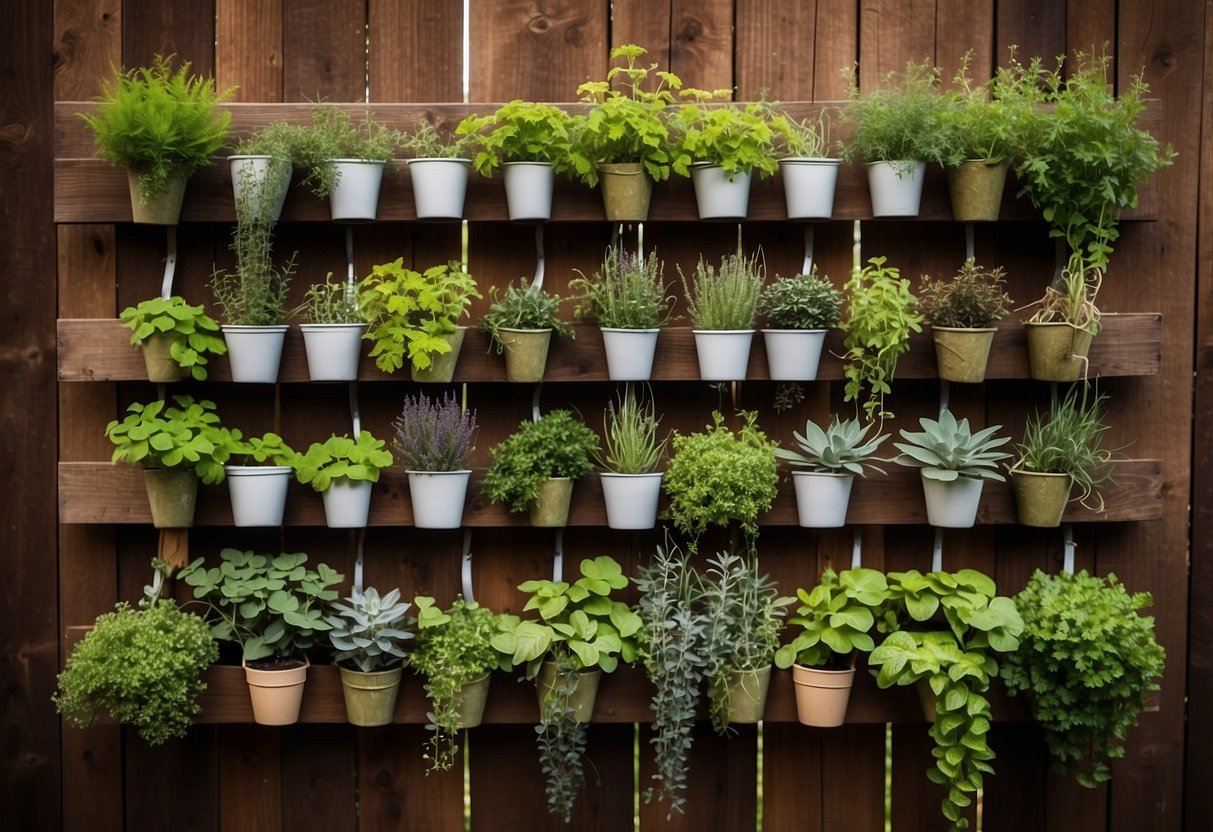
x=98 y=492
x=1130 y=344
x=88 y=189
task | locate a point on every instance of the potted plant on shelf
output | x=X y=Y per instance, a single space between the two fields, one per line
x=810 y=175
x=343 y=470
x=744 y=616
x=434 y=441
x=897 y=131
x=438 y=165
x=174 y=337
x=581 y=631
x=141 y=666
x=719 y=477
x=719 y=147
x=631 y=483
x=799 y=310
x=161 y=125
x=1087 y=661
x=344 y=161
x=1061 y=450
x=177 y=445
x=723 y=306
x=955 y=463
x=368 y=633
x=531 y=142
x=882 y=312
x=944 y=633
x=454 y=653
x=262 y=166
x=623 y=141
x=833 y=457
x=258 y=476
x=961 y=313
x=272 y=607
x=1082 y=165
x=520 y=323
x=332 y=336
x=533 y=470
x=627 y=297
x=836 y=620
x=416 y=314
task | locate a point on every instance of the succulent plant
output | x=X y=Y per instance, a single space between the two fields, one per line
x=946 y=449
x=840 y=448
x=368 y=630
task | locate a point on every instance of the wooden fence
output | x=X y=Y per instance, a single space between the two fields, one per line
x=406 y=57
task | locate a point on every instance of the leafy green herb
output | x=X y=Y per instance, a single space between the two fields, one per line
x=836 y=618
x=557 y=445
x=973 y=299
x=522 y=131
x=522 y=307
x=331 y=303
x=898 y=120
x=738 y=138
x=358 y=459
x=186 y=435
x=806 y=301
x=334 y=135
x=191 y=329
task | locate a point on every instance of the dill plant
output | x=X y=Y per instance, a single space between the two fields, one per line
x=898 y=120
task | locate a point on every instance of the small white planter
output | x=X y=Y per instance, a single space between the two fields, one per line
x=439 y=187
x=724 y=355
x=258 y=493
x=347 y=503
x=254 y=352
x=896 y=191
x=822 y=498
x=717 y=196
x=952 y=505
x=332 y=350
x=252 y=170
x=793 y=354
x=808 y=186
x=438 y=498
x=528 y=190
x=631 y=499
x=629 y=353
x=355 y=195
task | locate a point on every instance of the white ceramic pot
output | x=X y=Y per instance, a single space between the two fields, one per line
x=439 y=187
x=528 y=190
x=254 y=352
x=629 y=353
x=952 y=505
x=717 y=196
x=355 y=196
x=347 y=503
x=252 y=171
x=793 y=354
x=333 y=350
x=631 y=499
x=822 y=498
x=808 y=186
x=724 y=355
x=438 y=498
x=258 y=493
x=896 y=191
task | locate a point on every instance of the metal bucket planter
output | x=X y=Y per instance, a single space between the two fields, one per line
x=347 y=503
x=172 y=496
x=528 y=190
x=822 y=498
x=252 y=171
x=258 y=493
x=438 y=497
x=793 y=354
x=626 y=191
x=584 y=694
x=724 y=355
x=162 y=368
x=952 y=505
x=1057 y=351
x=162 y=207
x=629 y=353
x=1041 y=498
x=442 y=366
x=822 y=695
x=439 y=187
x=254 y=352
x=333 y=350
x=355 y=194
x=717 y=196
x=470 y=700
x=745 y=691
x=631 y=499
x=962 y=354
x=370 y=698
x=896 y=189
x=526 y=353
x=808 y=186
x=276 y=694
x=550 y=508
x=976 y=189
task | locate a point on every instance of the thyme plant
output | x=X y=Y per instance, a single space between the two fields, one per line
x=805 y=301
x=974 y=299
x=627 y=292
x=725 y=298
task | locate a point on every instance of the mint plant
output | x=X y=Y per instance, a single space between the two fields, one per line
x=186 y=435
x=358 y=459
x=192 y=331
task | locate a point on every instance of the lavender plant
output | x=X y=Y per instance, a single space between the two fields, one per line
x=434 y=435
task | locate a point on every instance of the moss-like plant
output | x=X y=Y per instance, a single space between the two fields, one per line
x=191 y=330
x=974 y=299
x=557 y=445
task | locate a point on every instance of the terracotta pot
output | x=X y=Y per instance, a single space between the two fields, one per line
x=626 y=191
x=526 y=353
x=276 y=694
x=976 y=189
x=1057 y=351
x=583 y=695
x=370 y=698
x=1041 y=498
x=962 y=354
x=171 y=495
x=161 y=208
x=162 y=368
x=746 y=693
x=550 y=508
x=822 y=695
x=442 y=367
x=470 y=701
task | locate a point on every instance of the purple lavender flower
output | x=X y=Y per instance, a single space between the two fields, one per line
x=434 y=436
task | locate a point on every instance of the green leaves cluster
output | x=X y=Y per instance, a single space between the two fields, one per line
x=186 y=435
x=736 y=137
x=369 y=630
x=409 y=312
x=522 y=307
x=192 y=331
x=883 y=313
x=836 y=618
x=946 y=449
x=271 y=605
x=725 y=298
x=1069 y=440
x=974 y=299
x=267 y=449
x=805 y=301
x=143 y=667
x=1088 y=659
x=558 y=445
x=159 y=122
x=627 y=292
x=331 y=303
x=426 y=142
x=898 y=120
x=721 y=476
x=523 y=131
x=358 y=459
x=630 y=436
x=988 y=122
x=842 y=447
x=333 y=134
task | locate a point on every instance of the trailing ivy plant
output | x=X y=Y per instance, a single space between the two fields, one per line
x=193 y=332
x=943 y=630
x=1088 y=659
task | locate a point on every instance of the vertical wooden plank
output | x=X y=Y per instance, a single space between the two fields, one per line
x=248 y=48
x=185 y=28
x=961 y=26
x=646 y=24
x=250 y=778
x=893 y=33
x=853 y=793
x=1089 y=25
x=701 y=43
x=394 y=791
x=792 y=778
x=1037 y=27
x=720 y=783
x=775 y=49
x=1014 y=795
x=416 y=50
x=324 y=50
x=535 y=51
x=87 y=44
x=189 y=765
x=29 y=644
x=836 y=47
x=319 y=778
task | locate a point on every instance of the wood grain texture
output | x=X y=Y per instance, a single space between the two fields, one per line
x=248 y=48
x=1037 y=27
x=857 y=801
x=88 y=44
x=964 y=26
x=792 y=778
x=702 y=44
x=324 y=50
x=836 y=47
x=250 y=776
x=893 y=33
x=644 y=23
x=319 y=776
x=394 y=787
x=185 y=28
x=769 y=34
x=416 y=50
